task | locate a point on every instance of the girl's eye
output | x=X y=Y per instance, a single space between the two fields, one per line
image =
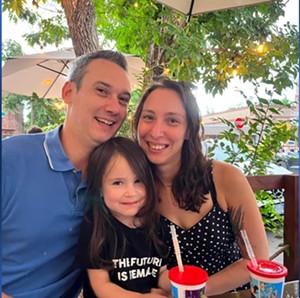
x=117 y=182
x=138 y=181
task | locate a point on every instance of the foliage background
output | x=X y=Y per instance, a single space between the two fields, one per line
x=207 y=49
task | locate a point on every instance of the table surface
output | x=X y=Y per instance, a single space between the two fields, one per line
x=291 y=290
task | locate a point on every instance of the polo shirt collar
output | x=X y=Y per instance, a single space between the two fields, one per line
x=56 y=156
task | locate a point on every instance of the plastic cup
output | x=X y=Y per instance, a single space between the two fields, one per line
x=267 y=279
x=188 y=284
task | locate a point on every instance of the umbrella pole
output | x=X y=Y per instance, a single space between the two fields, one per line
x=32 y=113
x=65 y=64
x=191 y=10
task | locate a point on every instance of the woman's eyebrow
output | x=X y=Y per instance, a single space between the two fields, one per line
x=167 y=114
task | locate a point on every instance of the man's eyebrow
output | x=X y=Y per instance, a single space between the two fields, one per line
x=110 y=86
x=103 y=83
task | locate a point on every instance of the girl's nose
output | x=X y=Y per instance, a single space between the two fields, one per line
x=130 y=191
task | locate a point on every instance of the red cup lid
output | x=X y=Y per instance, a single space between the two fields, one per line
x=191 y=275
x=268 y=268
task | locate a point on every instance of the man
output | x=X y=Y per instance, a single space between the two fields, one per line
x=43 y=187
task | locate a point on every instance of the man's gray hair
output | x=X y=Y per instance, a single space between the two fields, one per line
x=78 y=66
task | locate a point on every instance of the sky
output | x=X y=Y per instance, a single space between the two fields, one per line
x=207 y=103
x=14 y=31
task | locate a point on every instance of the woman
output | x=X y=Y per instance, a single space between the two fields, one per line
x=208 y=201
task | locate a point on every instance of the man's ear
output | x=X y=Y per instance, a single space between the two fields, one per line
x=66 y=92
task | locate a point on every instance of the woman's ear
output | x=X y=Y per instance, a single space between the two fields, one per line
x=187 y=135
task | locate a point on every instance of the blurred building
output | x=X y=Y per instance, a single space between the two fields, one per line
x=12 y=123
x=213 y=126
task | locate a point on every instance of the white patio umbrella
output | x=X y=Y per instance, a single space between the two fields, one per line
x=46 y=73
x=197 y=7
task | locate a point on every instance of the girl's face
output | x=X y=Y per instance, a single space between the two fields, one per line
x=162 y=128
x=124 y=193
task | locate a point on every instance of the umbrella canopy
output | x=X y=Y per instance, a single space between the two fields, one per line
x=197 y=7
x=46 y=73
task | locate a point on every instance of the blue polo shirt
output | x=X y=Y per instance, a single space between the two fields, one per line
x=42 y=209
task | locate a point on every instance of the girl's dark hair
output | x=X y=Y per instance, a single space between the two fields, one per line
x=191 y=183
x=103 y=229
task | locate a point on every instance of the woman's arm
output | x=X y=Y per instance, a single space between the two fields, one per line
x=104 y=288
x=163 y=279
x=235 y=195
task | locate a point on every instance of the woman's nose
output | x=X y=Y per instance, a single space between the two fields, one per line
x=157 y=129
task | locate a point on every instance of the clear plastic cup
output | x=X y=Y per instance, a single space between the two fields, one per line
x=188 y=284
x=267 y=279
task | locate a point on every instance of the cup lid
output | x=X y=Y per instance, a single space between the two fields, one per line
x=267 y=268
x=191 y=275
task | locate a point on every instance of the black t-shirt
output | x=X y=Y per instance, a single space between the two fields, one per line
x=136 y=270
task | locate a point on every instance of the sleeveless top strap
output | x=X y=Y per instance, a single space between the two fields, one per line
x=212 y=185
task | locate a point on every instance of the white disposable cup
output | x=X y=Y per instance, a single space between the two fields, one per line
x=267 y=279
x=188 y=284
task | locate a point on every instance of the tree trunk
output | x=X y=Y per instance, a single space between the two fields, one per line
x=32 y=118
x=82 y=25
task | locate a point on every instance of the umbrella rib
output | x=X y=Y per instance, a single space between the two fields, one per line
x=58 y=74
x=65 y=64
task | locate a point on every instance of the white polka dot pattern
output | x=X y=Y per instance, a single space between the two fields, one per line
x=209 y=244
x=203 y=245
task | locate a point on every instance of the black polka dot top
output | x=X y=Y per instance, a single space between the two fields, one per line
x=209 y=244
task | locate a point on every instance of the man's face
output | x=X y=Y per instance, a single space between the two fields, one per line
x=97 y=110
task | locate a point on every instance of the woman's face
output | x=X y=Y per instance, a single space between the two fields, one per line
x=162 y=128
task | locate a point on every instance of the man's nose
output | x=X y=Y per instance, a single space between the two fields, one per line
x=113 y=104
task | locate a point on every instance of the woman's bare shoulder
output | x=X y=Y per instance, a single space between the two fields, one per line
x=221 y=168
x=226 y=175
x=231 y=184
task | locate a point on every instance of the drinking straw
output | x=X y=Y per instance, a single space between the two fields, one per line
x=249 y=248
x=176 y=248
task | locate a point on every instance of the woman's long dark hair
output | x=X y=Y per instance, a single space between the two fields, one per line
x=191 y=182
x=103 y=229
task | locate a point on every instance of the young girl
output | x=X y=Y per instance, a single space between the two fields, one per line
x=118 y=243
